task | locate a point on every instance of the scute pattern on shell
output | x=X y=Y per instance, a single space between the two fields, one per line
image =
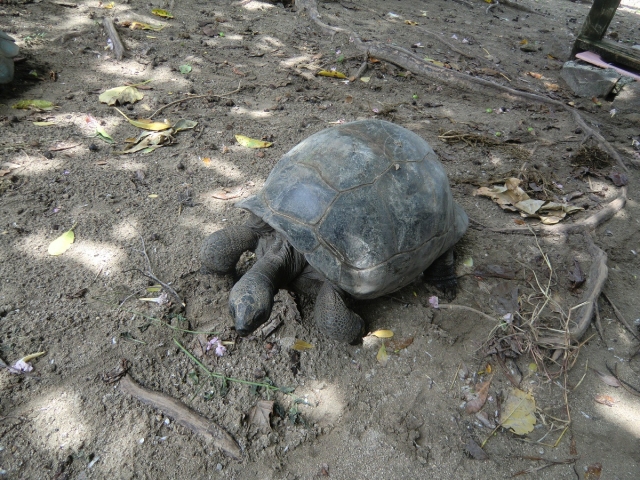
x=367 y=202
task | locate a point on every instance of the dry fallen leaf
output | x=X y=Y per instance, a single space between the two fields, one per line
x=605 y=400
x=382 y=356
x=331 y=73
x=260 y=413
x=608 y=379
x=475 y=451
x=518 y=412
x=227 y=193
x=252 y=142
x=593 y=472
x=301 y=346
x=382 y=333
x=482 y=391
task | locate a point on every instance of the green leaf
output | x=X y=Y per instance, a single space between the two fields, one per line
x=252 y=142
x=184 y=69
x=62 y=243
x=39 y=104
x=102 y=134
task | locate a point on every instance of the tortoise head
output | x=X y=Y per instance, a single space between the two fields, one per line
x=250 y=303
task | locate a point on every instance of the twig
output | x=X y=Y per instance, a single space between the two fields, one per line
x=620 y=317
x=451 y=306
x=596 y=309
x=362 y=69
x=193 y=97
x=118 y=46
x=149 y=274
x=183 y=415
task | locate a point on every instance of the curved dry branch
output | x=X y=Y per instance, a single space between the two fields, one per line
x=597 y=276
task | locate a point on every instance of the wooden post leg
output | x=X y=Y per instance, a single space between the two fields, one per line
x=597 y=21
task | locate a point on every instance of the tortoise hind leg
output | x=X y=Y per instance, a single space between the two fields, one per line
x=333 y=317
x=442 y=274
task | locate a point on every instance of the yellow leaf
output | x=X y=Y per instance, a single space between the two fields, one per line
x=533 y=367
x=524 y=41
x=518 y=412
x=44 y=124
x=121 y=95
x=383 y=356
x=161 y=13
x=331 y=73
x=411 y=22
x=154 y=288
x=62 y=243
x=109 y=5
x=206 y=161
x=39 y=104
x=383 y=333
x=365 y=79
x=147 y=124
x=252 y=142
x=153 y=195
x=301 y=346
x=145 y=26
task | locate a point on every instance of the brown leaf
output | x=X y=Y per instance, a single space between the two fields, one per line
x=608 y=379
x=400 y=344
x=259 y=415
x=576 y=276
x=475 y=451
x=605 y=400
x=619 y=179
x=482 y=391
x=227 y=193
x=593 y=472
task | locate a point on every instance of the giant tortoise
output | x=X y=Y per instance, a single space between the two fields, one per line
x=358 y=210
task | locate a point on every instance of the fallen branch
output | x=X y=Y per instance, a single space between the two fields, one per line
x=193 y=97
x=183 y=415
x=112 y=33
x=597 y=276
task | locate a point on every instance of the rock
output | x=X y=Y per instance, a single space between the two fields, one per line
x=8 y=50
x=589 y=81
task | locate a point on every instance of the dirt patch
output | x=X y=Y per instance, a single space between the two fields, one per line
x=336 y=410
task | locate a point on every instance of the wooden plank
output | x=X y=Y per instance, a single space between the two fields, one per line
x=610 y=52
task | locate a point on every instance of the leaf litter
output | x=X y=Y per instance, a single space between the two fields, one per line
x=511 y=197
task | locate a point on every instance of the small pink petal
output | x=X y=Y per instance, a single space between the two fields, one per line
x=433 y=301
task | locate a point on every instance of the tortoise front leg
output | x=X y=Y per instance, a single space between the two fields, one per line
x=333 y=317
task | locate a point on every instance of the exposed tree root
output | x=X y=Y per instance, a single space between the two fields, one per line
x=409 y=61
x=183 y=415
x=584 y=310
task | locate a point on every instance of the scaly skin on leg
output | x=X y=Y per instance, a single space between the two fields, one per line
x=334 y=319
x=442 y=274
x=221 y=250
x=251 y=299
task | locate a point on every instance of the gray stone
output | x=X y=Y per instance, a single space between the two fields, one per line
x=589 y=81
x=628 y=100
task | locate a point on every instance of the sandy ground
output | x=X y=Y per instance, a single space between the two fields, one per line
x=251 y=72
